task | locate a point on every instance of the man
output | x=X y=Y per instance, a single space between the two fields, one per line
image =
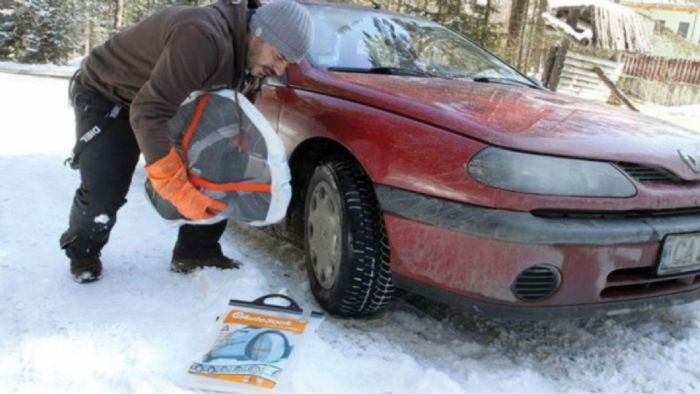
x=128 y=88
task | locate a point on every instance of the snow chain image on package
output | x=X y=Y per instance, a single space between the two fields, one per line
x=254 y=346
x=232 y=154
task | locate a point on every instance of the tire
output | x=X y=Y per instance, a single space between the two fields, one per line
x=345 y=243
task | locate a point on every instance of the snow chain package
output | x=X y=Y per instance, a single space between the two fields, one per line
x=232 y=154
x=256 y=344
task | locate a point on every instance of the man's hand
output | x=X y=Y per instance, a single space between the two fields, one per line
x=169 y=178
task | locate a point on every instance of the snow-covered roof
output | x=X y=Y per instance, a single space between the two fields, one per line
x=614 y=26
x=664 y=2
x=605 y=4
x=679 y=6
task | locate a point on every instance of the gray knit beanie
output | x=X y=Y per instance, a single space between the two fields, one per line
x=285 y=25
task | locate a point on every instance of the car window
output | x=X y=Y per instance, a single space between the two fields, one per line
x=366 y=39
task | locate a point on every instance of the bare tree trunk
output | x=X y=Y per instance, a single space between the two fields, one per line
x=110 y=10
x=485 y=23
x=523 y=25
x=118 y=16
x=516 y=21
x=88 y=36
x=531 y=36
x=541 y=49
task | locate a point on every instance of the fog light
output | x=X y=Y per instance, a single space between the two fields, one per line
x=536 y=283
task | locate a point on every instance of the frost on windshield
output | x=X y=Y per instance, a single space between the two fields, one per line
x=371 y=40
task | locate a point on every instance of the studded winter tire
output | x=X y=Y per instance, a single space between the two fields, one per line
x=347 y=257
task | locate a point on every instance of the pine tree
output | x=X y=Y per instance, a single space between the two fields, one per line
x=26 y=40
x=57 y=40
x=54 y=30
x=8 y=36
x=38 y=31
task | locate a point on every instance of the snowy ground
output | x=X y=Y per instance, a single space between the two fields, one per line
x=687 y=116
x=139 y=328
x=41 y=69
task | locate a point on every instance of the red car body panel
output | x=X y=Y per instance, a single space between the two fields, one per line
x=397 y=151
x=479 y=267
x=425 y=166
x=523 y=119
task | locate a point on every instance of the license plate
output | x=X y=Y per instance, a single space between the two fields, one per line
x=681 y=253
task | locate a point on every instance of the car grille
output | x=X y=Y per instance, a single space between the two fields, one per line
x=650 y=174
x=636 y=282
x=536 y=283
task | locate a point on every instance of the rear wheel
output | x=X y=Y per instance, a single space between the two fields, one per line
x=347 y=256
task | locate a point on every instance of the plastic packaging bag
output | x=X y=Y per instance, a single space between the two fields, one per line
x=256 y=344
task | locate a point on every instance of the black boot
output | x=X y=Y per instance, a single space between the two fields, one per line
x=86 y=269
x=187 y=265
x=198 y=247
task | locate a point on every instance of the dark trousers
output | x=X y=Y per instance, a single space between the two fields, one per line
x=107 y=164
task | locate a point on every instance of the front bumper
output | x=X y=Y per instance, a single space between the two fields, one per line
x=512 y=226
x=528 y=312
x=470 y=256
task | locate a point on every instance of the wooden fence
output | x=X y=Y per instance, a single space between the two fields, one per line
x=578 y=78
x=662 y=69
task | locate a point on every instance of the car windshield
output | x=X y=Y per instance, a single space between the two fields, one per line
x=362 y=40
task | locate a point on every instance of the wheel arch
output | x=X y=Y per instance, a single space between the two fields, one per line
x=302 y=162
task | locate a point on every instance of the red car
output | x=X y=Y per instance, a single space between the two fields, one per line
x=423 y=162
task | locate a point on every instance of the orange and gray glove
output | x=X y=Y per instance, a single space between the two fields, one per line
x=169 y=178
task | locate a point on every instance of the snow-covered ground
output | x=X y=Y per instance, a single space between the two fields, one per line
x=687 y=116
x=41 y=69
x=138 y=329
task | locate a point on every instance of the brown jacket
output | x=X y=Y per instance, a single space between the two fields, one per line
x=152 y=67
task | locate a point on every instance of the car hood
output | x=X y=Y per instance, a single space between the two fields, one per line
x=527 y=119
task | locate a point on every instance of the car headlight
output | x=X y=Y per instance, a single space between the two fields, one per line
x=548 y=175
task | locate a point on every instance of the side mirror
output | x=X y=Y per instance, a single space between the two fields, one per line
x=275 y=80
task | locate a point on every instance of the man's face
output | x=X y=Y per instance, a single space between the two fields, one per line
x=263 y=59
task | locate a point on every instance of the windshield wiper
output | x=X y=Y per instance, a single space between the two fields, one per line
x=386 y=70
x=505 y=81
x=420 y=73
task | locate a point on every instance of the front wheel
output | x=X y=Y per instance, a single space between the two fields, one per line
x=347 y=257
